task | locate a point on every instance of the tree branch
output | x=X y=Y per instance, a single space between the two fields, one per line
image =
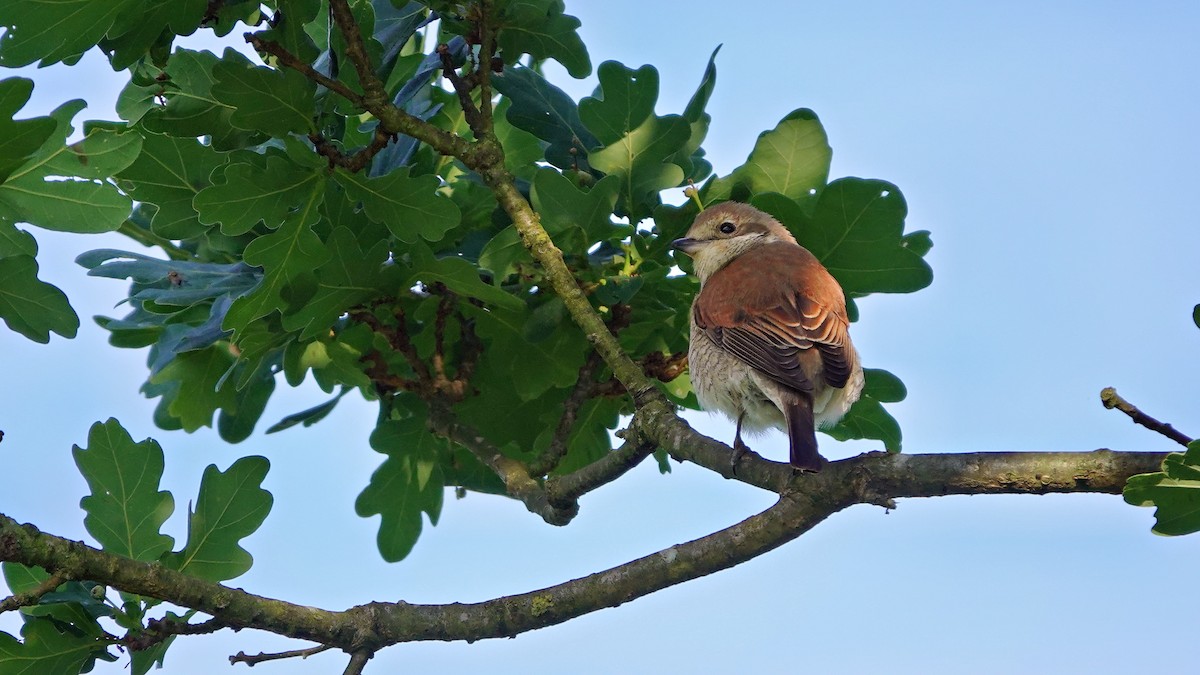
x=290 y=60
x=33 y=596
x=806 y=500
x=572 y=486
x=513 y=473
x=1110 y=399
x=262 y=657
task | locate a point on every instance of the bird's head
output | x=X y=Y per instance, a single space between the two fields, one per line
x=725 y=231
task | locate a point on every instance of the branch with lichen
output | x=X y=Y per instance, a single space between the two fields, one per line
x=805 y=501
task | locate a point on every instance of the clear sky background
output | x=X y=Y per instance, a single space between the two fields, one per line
x=1052 y=150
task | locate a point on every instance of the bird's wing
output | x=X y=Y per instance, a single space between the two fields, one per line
x=782 y=328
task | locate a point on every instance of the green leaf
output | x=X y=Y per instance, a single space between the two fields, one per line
x=856 y=230
x=36 y=192
x=30 y=306
x=193 y=386
x=564 y=208
x=310 y=416
x=503 y=252
x=46 y=650
x=522 y=150
x=1175 y=491
x=252 y=193
x=591 y=438
x=1196 y=315
x=541 y=29
x=150 y=29
x=236 y=423
x=409 y=207
x=407 y=484
x=125 y=510
x=169 y=173
x=191 y=110
x=641 y=160
x=459 y=276
x=883 y=386
x=50 y=31
x=230 y=507
x=14 y=241
x=548 y=113
x=791 y=159
x=530 y=367
x=19 y=139
x=264 y=99
x=625 y=99
x=291 y=250
x=868 y=419
x=349 y=277
x=103 y=152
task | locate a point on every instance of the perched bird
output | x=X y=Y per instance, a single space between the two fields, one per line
x=769 y=340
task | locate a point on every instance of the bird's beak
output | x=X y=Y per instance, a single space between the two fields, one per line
x=687 y=245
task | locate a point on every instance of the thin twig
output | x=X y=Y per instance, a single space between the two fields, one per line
x=483 y=72
x=356 y=50
x=292 y=61
x=158 y=630
x=554 y=453
x=262 y=657
x=445 y=305
x=31 y=597
x=1110 y=399
x=512 y=472
x=359 y=160
x=399 y=340
x=463 y=89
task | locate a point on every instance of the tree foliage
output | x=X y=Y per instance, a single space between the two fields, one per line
x=398 y=203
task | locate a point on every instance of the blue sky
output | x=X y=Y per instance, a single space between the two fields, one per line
x=1051 y=150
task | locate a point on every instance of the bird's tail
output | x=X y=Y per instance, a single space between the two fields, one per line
x=802 y=434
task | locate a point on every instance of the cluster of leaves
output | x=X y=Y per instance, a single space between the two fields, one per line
x=125 y=514
x=283 y=260
x=302 y=239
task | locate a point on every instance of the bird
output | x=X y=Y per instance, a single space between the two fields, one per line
x=769 y=338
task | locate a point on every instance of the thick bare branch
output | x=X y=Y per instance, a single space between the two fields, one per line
x=806 y=500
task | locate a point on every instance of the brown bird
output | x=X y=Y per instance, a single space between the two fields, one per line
x=769 y=340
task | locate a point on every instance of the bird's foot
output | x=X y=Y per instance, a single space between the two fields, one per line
x=739 y=449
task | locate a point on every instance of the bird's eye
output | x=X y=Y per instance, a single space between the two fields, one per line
x=727 y=227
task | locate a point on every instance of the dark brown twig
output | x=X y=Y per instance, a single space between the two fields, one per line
x=158 y=630
x=445 y=305
x=356 y=50
x=263 y=657
x=31 y=597
x=554 y=453
x=290 y=60
x=463 y=89
x=357 y=161
x=1110 y=399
